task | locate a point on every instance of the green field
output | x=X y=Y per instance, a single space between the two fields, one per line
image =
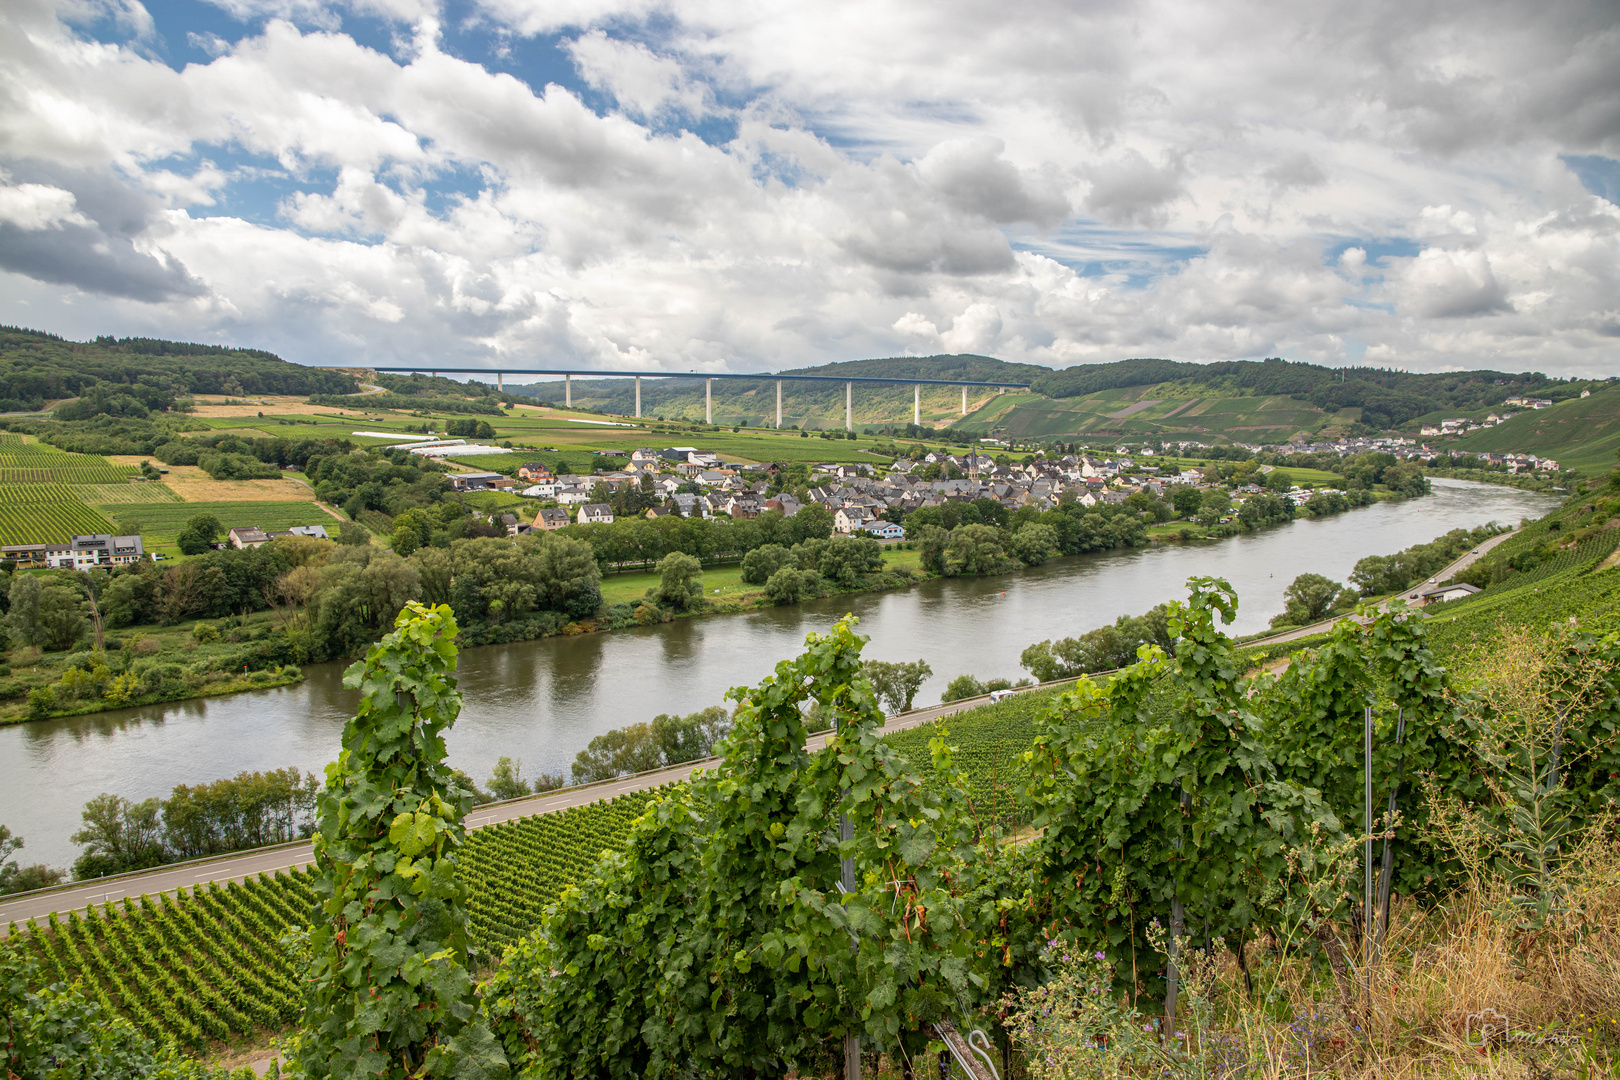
x=160 y=523
x=48 y=523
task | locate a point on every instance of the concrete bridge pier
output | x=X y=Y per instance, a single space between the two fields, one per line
x=778 y=404
x=916 y=404
x=500 y=385
x=708 y=401
x=964 y=401
x=638 y=397
x=849 y=406
x=568 y=391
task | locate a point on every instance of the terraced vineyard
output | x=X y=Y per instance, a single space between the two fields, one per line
x=125 y=493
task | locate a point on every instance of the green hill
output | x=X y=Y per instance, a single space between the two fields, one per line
x=1581 y=433
x=139 y=376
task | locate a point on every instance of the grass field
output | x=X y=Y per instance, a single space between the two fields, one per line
x=160 y=523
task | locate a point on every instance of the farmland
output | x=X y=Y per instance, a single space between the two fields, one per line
x=207 y=964
x=161 y=523
x=42 y=492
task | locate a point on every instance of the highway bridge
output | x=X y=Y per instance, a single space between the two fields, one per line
x=849 y=382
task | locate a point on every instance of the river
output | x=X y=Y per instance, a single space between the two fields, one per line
x=542 y=701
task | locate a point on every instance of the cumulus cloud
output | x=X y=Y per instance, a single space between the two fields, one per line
x=704 y=185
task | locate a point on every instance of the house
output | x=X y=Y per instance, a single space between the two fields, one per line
x=474 y=481
x=885 y=530
x=595 y=514
x=551 y=519
x=646 y=458
x=250 y=536
x=850 y=518
x=656 y=512
x=545 y=489
x=33 y=556
x=101 y=549
x=534 y=470
x=1454 y=591
x=317 y=531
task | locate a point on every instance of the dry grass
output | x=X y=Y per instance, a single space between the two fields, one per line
x=194 y=485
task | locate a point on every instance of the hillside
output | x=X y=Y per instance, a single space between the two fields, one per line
x=1385 y=397
x=137 y=376
x=1167 y=411
x=1581 y=433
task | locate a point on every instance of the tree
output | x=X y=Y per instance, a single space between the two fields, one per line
x=61 y=616
x=846 y=558
x=789 y=586
x=405 y=540
x=897 y=684
x=1186 y=499
x=1034 y=544
x=1309 y=599
x=352 y=535
x=974 y=550
x=758 y=565
x=389 y=992
x=200 y=533
x=23 y=616
x=118 y=835
x=1213 y=505
x=680 y=582
x=505 y=781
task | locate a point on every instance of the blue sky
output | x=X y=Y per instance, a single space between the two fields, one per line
x=635 y=183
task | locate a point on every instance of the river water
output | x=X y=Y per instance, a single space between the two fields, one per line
x=542 y=701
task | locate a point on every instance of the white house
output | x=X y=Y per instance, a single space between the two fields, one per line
x=885 y=530
x=595 y=514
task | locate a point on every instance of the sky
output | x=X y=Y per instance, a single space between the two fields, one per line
x=722 y=186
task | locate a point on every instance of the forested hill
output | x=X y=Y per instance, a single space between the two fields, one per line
x=1386 y=397
x=137 y=376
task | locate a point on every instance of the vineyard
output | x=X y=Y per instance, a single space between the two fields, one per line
x=161 y=522
x=207 y=964
x=46 y=522
x=39 y=502
x=125 y=493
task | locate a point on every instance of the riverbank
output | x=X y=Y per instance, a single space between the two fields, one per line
x=151 y=665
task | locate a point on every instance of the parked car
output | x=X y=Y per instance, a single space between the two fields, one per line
x=1001 y=695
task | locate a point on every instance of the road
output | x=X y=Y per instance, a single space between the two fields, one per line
x=244 y=864
x=235 y=867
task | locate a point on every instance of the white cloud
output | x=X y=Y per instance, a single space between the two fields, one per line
x=1052 y=183
x=32 y=207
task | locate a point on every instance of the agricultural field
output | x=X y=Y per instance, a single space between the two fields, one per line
x=161 y=523
x=207 y=964
x=42 y=492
